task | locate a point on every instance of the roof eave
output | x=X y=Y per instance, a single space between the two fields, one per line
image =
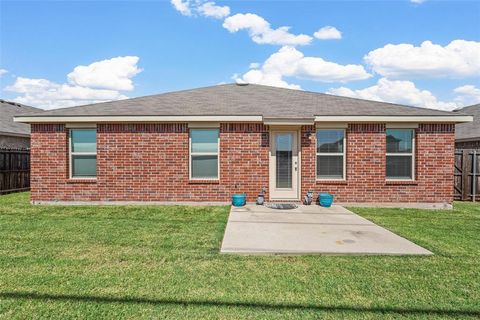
x=467 y=139
x=14 y=134
x=384 y=119
x=130 y=119
x=245 y=118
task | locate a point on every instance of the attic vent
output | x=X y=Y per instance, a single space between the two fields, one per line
x=241 y=83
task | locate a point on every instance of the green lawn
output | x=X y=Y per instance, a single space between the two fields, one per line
x=164 y=262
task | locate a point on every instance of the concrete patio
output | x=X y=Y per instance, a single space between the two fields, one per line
x=311 y=229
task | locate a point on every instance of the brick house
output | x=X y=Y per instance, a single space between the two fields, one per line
x=14 y=135
x=209 y=143
x=467 y=135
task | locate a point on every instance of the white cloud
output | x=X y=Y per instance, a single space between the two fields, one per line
x=460 y=58
x=3 y=71
x=98 y=82
x=467 y=95
x=202 y=7
x=269 y=79
x=289 y=62
x=182 y=6
x=396 y=91
x=417 y=1
x=261 y=32
x=45 y=94
x=327 y=33
x=210 y=9
x=114 y=74
x=254 y=65
x=258 y=28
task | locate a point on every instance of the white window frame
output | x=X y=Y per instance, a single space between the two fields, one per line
x=343 y=154
x=411 y=154
x=191 y=154
x=71 y=154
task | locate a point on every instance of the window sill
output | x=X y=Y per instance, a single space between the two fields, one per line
x=401 y=182
x=341 y=182
x=85 y=181
x=200 y=181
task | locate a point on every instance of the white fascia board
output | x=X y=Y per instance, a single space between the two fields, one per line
x=404 y=119
x=130 y=119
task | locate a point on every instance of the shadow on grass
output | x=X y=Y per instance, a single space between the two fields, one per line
x=272 y=306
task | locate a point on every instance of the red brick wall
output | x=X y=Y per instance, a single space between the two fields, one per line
x=366 y=163
x=149 y=162
x=49 y=167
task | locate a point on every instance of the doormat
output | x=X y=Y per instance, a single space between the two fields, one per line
x=282 y=206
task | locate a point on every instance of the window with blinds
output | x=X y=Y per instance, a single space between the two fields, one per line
x=83 y=153
x=330 y=154
x=204 y=154
x=400 y=154
x=284 y=158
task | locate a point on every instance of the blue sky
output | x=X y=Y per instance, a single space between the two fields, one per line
x=368 y=49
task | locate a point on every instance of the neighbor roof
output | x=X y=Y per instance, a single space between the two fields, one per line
x=471 y=130
x=7 y=111
x=243 y=100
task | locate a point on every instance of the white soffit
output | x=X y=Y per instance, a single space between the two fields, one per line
x=402 y=119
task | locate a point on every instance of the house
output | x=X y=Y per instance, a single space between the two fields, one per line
x=209 y=143
x=14 y=135
x=467 y=135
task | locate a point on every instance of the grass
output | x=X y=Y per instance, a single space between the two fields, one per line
x=163 y=262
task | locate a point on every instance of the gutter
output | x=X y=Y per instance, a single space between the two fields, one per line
x=243 y=118
x=12 y=134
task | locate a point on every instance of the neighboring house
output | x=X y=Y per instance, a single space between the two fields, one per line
x=14 y=135
x=209 y=143
x=467 y=135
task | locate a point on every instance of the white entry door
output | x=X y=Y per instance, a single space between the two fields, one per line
x=284 y=165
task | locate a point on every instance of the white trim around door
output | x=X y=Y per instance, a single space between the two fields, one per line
x=284 y=164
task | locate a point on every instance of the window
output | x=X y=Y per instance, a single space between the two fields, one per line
x=330 y=154
x=83 y=153
x=204 y=154
x=400 y=154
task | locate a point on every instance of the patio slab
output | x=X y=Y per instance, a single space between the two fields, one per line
x=311 y=229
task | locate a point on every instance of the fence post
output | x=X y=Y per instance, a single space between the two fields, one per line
x=474 y=175
x=465 y=175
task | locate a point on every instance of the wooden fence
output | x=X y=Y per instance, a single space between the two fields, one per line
x=467 y=175
x=14 y=170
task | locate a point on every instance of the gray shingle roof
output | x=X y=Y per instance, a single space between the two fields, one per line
x=470 y=130
x=10 y=109
x=233 y=99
